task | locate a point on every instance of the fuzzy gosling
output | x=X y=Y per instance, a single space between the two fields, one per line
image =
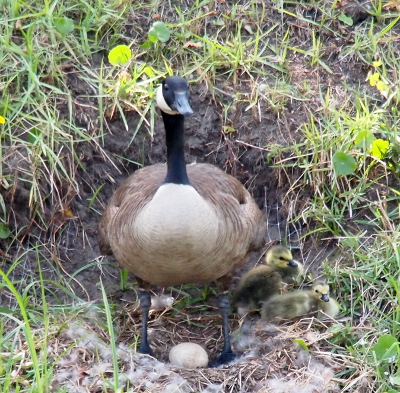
x=263 y=281
x=298 y=303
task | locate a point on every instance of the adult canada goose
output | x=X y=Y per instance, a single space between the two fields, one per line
x=263 y=281
x=296 y=303
x=175 y=224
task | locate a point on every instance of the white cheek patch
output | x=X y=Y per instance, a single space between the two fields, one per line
x=162 y=104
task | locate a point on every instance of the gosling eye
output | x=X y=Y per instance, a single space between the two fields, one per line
x=316 y=291
x=282 y=258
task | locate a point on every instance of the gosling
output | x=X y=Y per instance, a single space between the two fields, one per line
x=298 y=303
x=263 y=281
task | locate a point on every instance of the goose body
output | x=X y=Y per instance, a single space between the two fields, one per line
x=174 y=224
x=185 y=233
x=296 y=303
x=263 y=281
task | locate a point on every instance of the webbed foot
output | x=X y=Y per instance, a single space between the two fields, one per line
x=223 y=358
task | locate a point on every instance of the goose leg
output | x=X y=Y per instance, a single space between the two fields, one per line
x=226 y=355
x=145 y=303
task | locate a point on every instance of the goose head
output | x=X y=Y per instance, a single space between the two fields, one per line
x=321 y=292
x=173 y=96
x=280 y=257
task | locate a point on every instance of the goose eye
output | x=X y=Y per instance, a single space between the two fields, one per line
x=166 y=87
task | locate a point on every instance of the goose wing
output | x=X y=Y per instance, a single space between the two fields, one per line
x=134 y=193
x=232 y=200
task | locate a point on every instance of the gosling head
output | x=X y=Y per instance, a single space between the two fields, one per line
x=320 y=292
x=173 y=96
x=280 y=257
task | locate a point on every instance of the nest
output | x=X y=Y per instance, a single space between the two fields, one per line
x=288 y=358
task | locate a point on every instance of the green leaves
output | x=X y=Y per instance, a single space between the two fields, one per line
x=346 y=19
x=64 y=25
x=119 y=55
x=4 y=231
x=386 y=351
x=343 y=163
x=379 y=148
x=387 y=348
x=159 y=32
x=34 y=135
x=364 y=139
x=302 y=344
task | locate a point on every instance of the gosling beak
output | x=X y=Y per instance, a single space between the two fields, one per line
x=292 y=263
x=181 y=104
x=325 y=297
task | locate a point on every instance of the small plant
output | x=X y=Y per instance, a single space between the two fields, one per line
x=343 y=163
x=131 y=89
x=377 y=79
x=386 y=356
x=120 y=55
x=64 y=25
x=346 y=19
x=159 y=32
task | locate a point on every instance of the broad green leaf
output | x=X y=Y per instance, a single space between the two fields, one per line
x=343 y=163
x=346 y=19
x=379 y=148
x=395 y=379
x=33 y=135
x=4 y=231
x=387 y=348
x=119 y=55
x=64 y=25
x=147 y=45
x=364 y=139
x=302 y=344
x=159 y=32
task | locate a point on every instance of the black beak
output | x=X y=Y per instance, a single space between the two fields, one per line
x=181 y=104
x=292 y=263
x=325 y=297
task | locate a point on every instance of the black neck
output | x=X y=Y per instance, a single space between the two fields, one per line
x=176 y=172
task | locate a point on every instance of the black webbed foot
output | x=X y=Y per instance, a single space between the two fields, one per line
x=223 y=358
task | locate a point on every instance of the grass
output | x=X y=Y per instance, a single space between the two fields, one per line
x=332 y=87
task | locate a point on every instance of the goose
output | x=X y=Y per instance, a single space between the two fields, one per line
x=296 y=303
x=173 y=224
x=263 y=281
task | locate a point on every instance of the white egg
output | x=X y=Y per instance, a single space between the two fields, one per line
x=188 y=355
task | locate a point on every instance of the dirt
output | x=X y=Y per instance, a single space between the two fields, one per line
x=71 y=243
